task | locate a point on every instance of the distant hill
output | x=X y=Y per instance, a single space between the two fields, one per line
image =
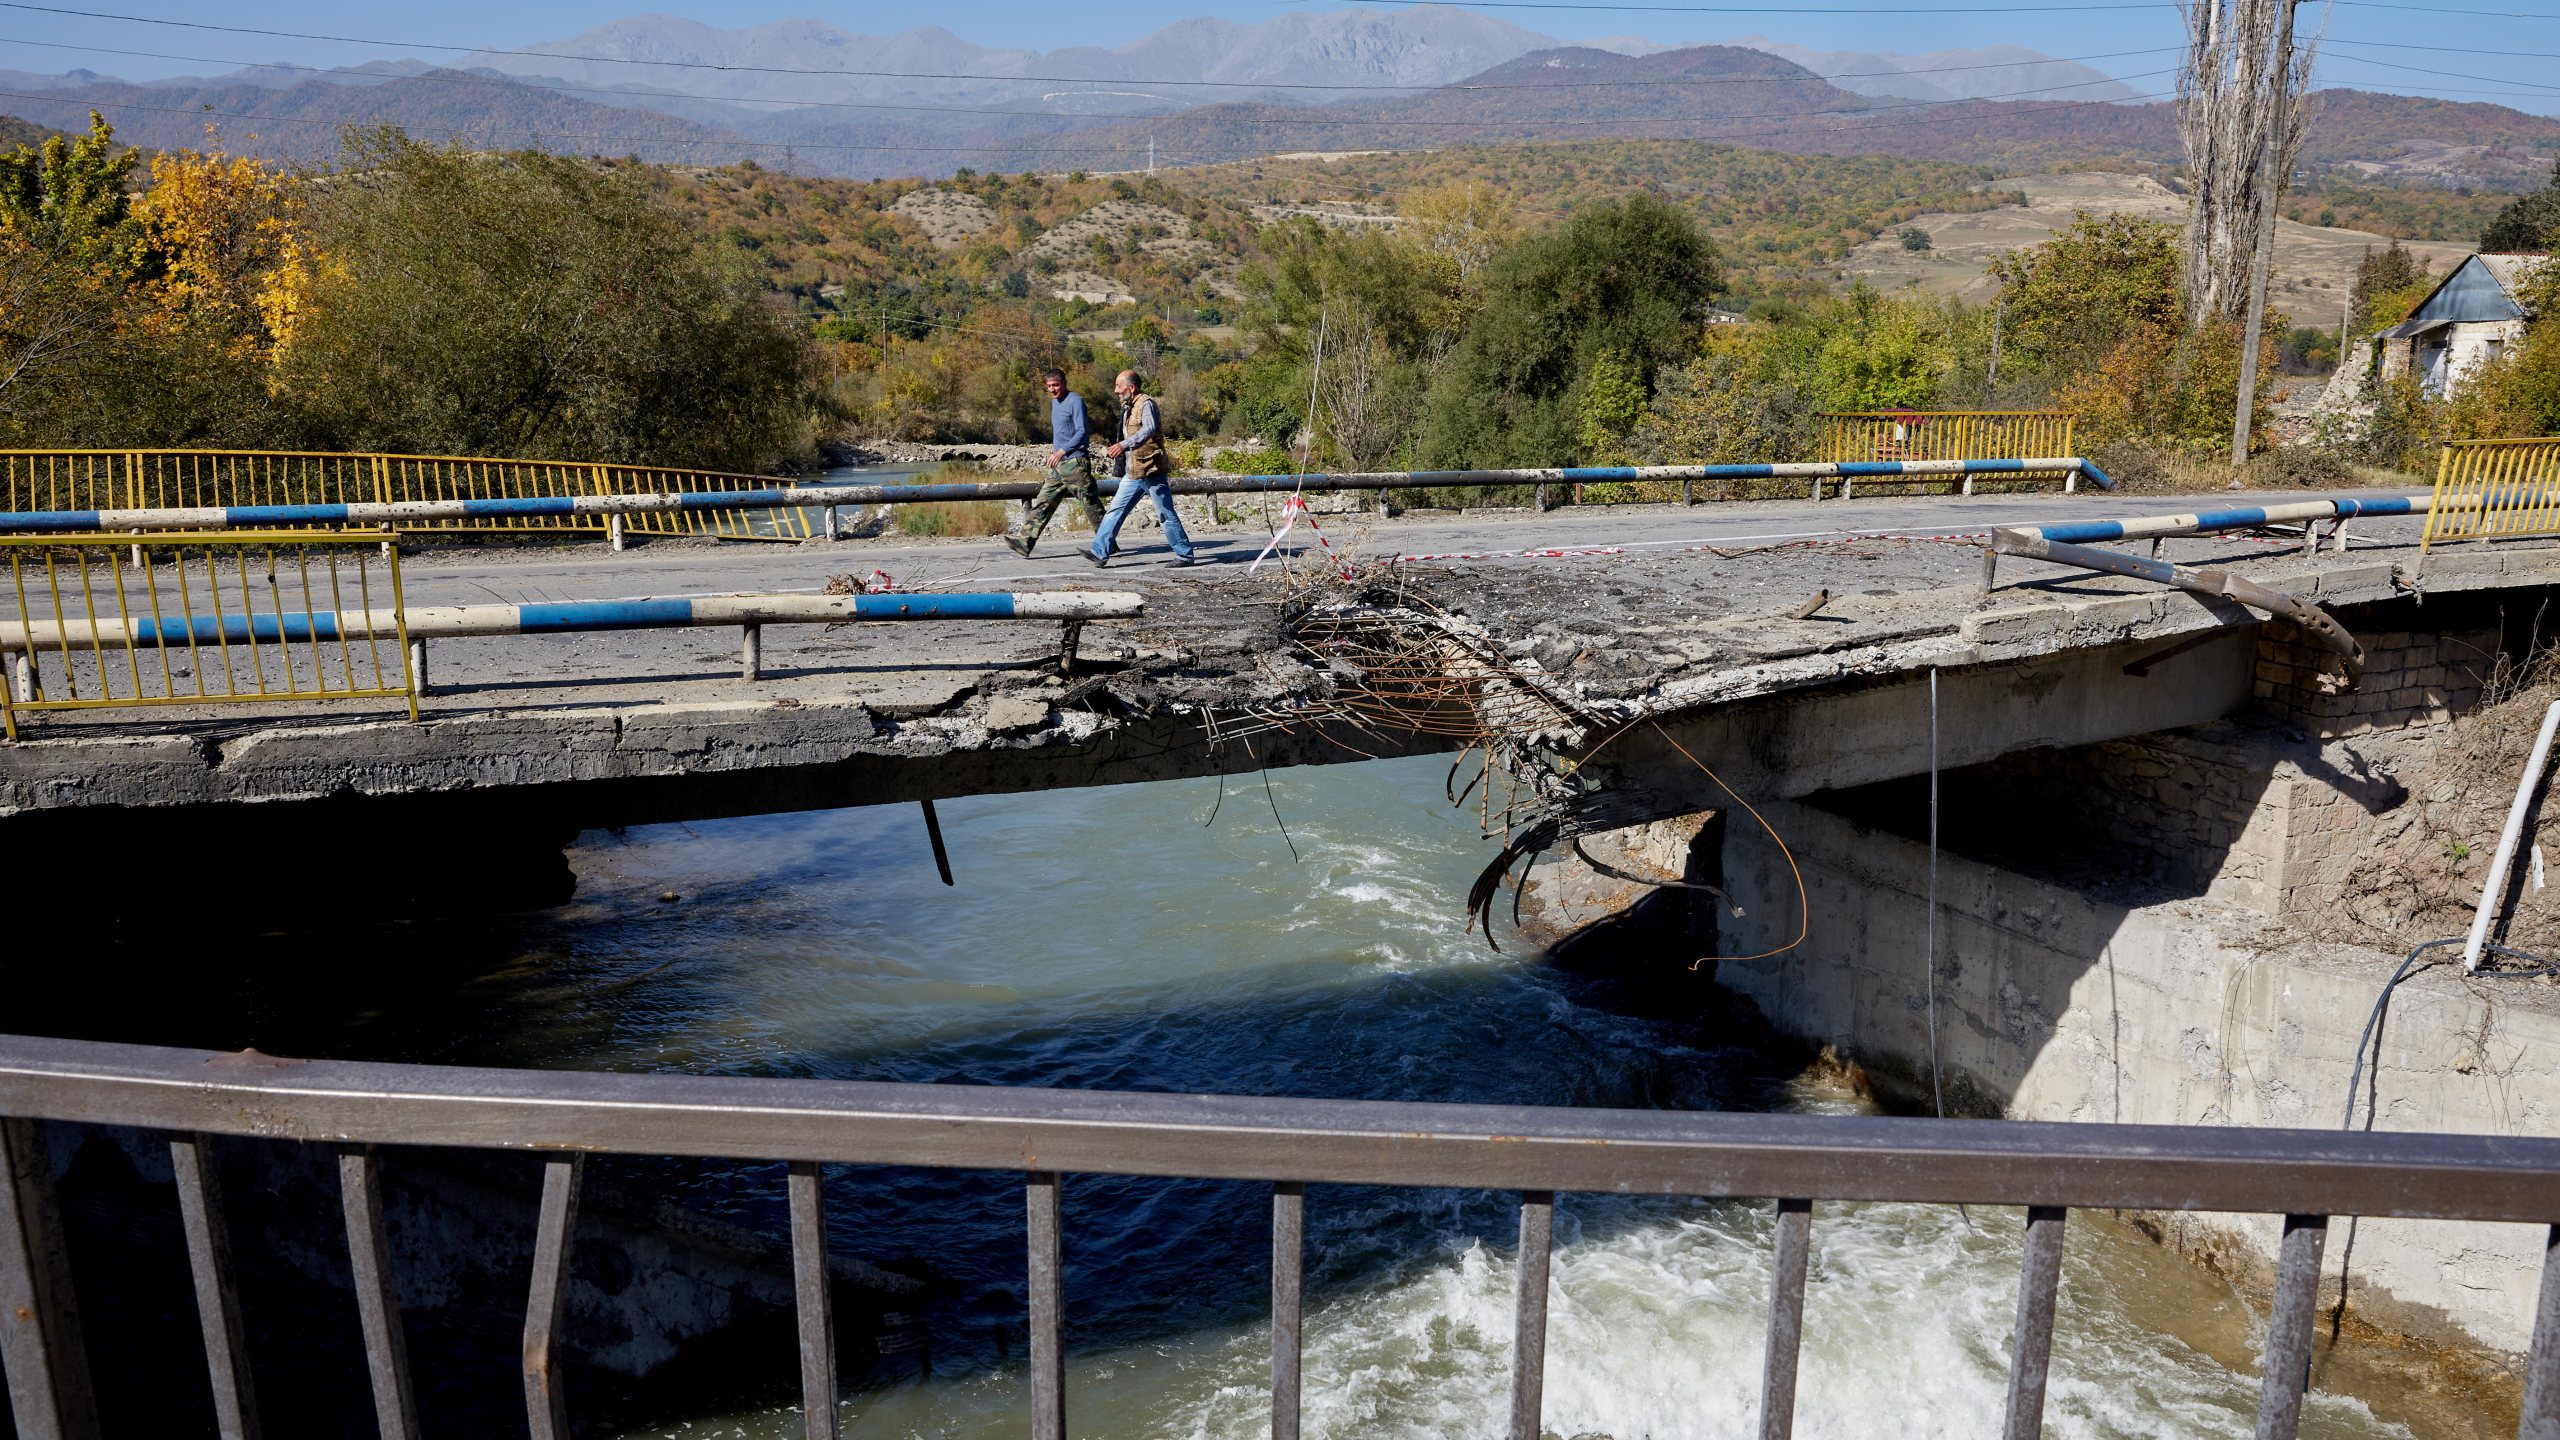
x=2392 y=139
x=1422 y=46
x=1727 y=94
x=15 y=132
x=1701 y=92
x=1751 y=98
x=302 y=122
x=1993 y=71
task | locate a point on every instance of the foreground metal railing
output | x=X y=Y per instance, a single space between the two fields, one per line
x=2307 y=1176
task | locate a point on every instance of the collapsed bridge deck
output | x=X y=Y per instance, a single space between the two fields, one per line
x=1661 y=613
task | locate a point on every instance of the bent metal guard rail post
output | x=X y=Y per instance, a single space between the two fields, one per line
x=2316 y=623
x=1049 y=1136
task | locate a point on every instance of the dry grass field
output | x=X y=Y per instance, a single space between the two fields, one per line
x=2312 y=263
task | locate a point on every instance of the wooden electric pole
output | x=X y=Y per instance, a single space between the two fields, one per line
x=1999 y=310
x=2270 y=180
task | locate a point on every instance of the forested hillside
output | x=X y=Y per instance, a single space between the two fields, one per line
x=15 y=132
x=1780 y=219
x=1493 y=304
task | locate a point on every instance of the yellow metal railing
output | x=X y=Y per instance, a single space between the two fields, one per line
x=166 y=479
x=1944 y=435
x=2486 y=489
x=200 y=619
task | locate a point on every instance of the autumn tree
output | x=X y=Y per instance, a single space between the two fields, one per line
x=2240 y=112
x=1631 y=280
x=69 y=251
x=1883 y=353
x=533 y=304
x=222 y=233
x=1455 y=229
x=2387 y=284
x=1379 y=314
x=2529 y=223
x=2070 y=300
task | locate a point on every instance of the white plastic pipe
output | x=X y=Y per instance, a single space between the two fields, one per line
x=2508 y=838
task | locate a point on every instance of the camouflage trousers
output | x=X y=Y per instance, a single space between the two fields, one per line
x=1072 y=479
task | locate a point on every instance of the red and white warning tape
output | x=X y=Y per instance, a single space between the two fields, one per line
x=1291 y=511
x=1577 y=552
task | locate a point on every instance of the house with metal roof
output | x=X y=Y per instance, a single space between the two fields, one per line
x=2465 y=323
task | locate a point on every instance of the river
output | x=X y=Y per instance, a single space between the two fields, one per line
x=1176 y=937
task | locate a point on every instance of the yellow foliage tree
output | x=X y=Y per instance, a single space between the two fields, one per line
x=229 y=248
x=1453 y=231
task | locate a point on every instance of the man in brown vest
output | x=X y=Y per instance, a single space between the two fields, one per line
x=1145 y=466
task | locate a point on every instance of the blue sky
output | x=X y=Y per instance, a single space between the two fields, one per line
x=2372 y=38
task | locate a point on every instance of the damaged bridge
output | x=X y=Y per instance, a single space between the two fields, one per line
x=1771 y=651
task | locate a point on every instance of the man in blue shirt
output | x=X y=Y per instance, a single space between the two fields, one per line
x=1070 y=466
x=1147 y=467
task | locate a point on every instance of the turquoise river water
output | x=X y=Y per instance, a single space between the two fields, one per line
x=1110 y=939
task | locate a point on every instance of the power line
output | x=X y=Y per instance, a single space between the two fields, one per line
x=1624 y=9
x=1087 y=151
x=1227 y=116
x=1799 y=9
x=468 y=50
x=1264 y=122
x=2447 y=49
x=2449 y=10
x=2453 y=75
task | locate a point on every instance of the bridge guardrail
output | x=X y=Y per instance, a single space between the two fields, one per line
x=561 y=1117
x=57 y=649
x=2492 y=489
x=1943 y=434
x=70 y=491
x=201 y=619
x=220 y=479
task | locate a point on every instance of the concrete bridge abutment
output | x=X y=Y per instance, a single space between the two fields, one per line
x=2182 y=927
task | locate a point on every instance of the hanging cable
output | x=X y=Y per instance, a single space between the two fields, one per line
x=1937 y=1090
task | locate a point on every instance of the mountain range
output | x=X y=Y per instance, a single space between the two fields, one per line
x=805 y=95
x=1990 y=73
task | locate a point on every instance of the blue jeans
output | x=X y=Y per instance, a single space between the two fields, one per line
x=1157 y=490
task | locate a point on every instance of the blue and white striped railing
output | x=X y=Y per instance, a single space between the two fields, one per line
x=400 y=513
x=2204 y=522
x=571 y=617
x=2071 y=468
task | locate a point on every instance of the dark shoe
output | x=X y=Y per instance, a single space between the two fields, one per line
x=1186 y=560
x=1096 y=561
x=1018 y=546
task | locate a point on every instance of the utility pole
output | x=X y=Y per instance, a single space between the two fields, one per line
x=2270 y=179
x=1999 y=309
